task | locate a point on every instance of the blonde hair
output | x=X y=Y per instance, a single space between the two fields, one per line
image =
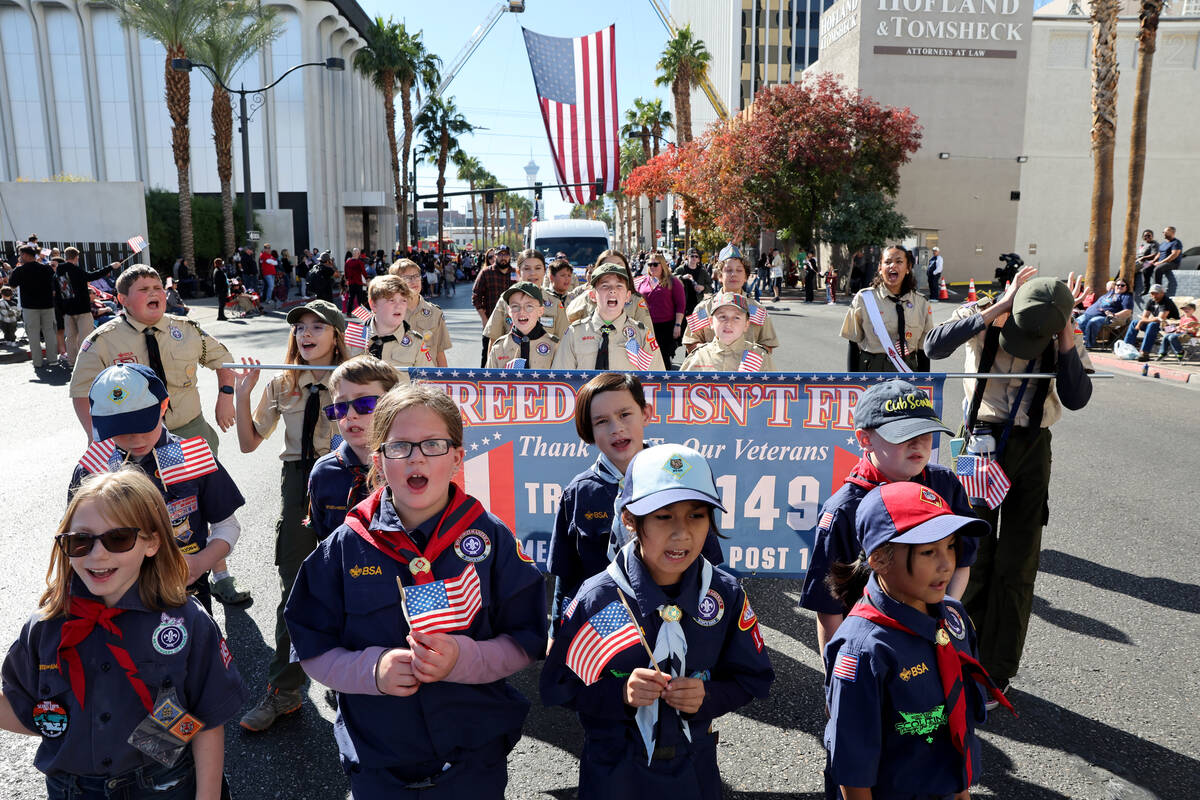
x=128 y=499
x=365 y=369
x=667 y=278
x=403 y=398
x=401 y=264
x=384 y=286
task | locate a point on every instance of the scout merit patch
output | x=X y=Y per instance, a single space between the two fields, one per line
x=543 y=348
x=931 y=498
x=677 y=466
x=170 y=636
x=176 y=334
x=712 y=608
x=473 y=546
x=226 y=656
x=406 y=341
x=50 y=719
x=954 y=624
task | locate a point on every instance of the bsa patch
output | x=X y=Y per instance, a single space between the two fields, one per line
x=178 y=509
x=955 y=624
x=50 y=719
x=426 y=312
x=543 y=348
x=677 y=467
x=473 y=546
x=930 y=497
x=166 y=713
x=712 y=608
x=118 y=395
x=187 y=727
x=909 y=304
x=629 y=332
x=125 y=358
x=406 y=341
x=170 y=636
x=176 y=334
x=226 y=656
x=183 y=531
x=748 y=619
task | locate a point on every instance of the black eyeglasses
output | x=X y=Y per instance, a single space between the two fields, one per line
x=77 y=545
x=361 y=405
x=430 y=447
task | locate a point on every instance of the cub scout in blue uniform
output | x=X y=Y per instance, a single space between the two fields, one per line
x=415 y=611
x=903 y=685
x=128 y=403
x=531 y=268
x=894 y=424
x=527 y=344
x=609 y=339
x=127 y=680
x=338 y=481
x=389 y=336
x=648 y=726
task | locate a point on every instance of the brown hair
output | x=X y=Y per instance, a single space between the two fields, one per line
x=530 y=253
x=607 y=382
x=909 y=282
x=557 y=265
x=403 y=398
x=128 y=498
x=362 y=370
x=129 y=277
x=290 y=377
x=401 y=264
x=384 y=286
x=71 y=252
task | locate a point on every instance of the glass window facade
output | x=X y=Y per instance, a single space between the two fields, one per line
x=115 y=126
x=288 y=98
x=27 y=125
x=159 y=159
x=70 y=92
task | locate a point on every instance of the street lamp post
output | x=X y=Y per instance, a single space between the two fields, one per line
x=186 y=65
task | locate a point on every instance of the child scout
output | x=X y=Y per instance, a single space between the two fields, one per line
x=730 y=351
x=609 y=339
x=527 y=344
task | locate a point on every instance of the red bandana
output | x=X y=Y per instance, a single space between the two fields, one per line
x=89 y=614
x=868 y=476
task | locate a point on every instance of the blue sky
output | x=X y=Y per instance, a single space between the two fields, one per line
x=495 y=89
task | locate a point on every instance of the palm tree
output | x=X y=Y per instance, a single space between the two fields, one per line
x=469 y=169
x=417 y=68
x=1104 y=126
x=684 y=64
x=1147 y=41
x=173 y=24
x=440 y=124
x=237 y=30
x=381 y=59
x=647 y=120
x=633 y=155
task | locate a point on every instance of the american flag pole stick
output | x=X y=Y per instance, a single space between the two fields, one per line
x=314 y=367
x=403 y=604
x=641 y=633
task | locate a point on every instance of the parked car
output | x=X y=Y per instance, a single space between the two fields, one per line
x=1190 y=258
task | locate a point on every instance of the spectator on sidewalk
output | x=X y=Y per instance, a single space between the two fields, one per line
x=356 y=281
x=1112 y=310
x=74 y=302
x=1159 y=308
x=1169 y=251
x=267 y=267
x=933 y=272
x=1144 y=262
x=10 y=314
x=35 y=281
x=811 y=273
x=1175 y=335
x=175 y=304
x=220 y=284
x=776 y=275
x=490 y=283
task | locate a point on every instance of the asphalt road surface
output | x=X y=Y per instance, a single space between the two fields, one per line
x=1107 y=691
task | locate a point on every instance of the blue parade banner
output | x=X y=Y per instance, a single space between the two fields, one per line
x=779 y=444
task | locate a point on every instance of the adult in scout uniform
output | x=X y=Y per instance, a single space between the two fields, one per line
x=730 y=352
x=527 y=340
x=582 y=305
x=609 y=339
x=425 y=317
x=1028 y=330
x=733 y=272
x=887 y=321
x=170 y=345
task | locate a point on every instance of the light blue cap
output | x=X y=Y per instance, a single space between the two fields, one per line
x=668 y=473
x=730 y=251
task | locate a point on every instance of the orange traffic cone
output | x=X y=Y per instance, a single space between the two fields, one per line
x=943 y=294
x=971 y=296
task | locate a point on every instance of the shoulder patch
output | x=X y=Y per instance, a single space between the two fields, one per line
x=846 y=667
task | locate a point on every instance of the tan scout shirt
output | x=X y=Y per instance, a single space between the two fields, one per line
x=182 y=344
x=429 y=320
x=999 y=393
x=582 y=307
x=721 y=358
x=762 y=335
x=506 y=348
x=407 y=350
x=918 y=320
x=274 y=404
x=579 y=346
x=554 y=319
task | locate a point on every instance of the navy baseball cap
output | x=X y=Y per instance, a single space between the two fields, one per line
x=909 y=513
x=898 y=411
x=664 y=474
x=124 y=399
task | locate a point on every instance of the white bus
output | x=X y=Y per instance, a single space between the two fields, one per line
x=580 y=239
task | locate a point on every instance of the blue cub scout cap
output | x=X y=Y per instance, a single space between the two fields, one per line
x=668 y=473
x=124 y=399
x=898 y=411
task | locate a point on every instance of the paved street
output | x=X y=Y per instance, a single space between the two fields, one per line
x=1107 y=691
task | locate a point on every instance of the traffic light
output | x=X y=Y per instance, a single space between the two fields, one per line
x=537 y=190
x=489 y=197
x=598 y=186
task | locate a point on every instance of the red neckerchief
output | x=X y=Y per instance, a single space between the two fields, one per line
x=868 y=476
x=953 y=666
x=89 y=614
x=460 y=514
x=358 y=489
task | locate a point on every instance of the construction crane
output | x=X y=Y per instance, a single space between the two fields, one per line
x=477 y=36
x=705 y=84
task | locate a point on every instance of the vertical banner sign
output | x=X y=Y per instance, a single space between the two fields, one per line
x=779 y=444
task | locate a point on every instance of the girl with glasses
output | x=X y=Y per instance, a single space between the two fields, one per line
x=115 y=643
x=415 y=611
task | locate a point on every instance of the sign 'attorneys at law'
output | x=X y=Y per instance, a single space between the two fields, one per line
x=954 y=28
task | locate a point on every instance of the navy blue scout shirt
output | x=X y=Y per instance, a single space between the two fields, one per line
x=92 y=740
x=337 y=483
x=725 y=649
x=193 y=504
x=346 y=596
x=836 y=540
x=888 y=727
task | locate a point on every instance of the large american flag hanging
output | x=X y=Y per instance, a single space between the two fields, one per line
x=576 y=80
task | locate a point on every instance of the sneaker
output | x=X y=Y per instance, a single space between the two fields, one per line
x=1144 y=357
x=226 y=591
x=1161 y=357
x=275 y=704
x=992 y=705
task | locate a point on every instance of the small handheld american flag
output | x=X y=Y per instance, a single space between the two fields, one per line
x=751 y=362
x=516 y=363
x=759 y=315
x=698 y=320
x=443 y=606
x=362 y=313
x=184 y=461
x=137 y=244
x=642 y=359
x=99 y=457
x=603 y=636
x=356 y=335
x=983 y=479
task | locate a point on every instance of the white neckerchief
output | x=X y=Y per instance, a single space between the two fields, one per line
x=671 y=644
x=868 y=297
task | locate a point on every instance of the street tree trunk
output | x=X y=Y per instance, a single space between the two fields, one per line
x=1147 y=42
x=178 y=105
x=387 y=79
x=443 y=155
x=406 y=113
x=474 y=216
x=1104 y=126
x=682 y=89
x=222 y=122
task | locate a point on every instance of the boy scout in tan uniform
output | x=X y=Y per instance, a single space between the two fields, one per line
x=582 y=307
x=554 y=318
x=536 y=346
x=425 y=317
x=720 y=356
x=181 y=345
x=403 y=346
x=582 y=347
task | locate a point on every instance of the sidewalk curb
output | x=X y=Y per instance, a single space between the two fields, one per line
x=1147 y=369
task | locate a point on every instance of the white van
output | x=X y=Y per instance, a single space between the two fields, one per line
x=581 y=239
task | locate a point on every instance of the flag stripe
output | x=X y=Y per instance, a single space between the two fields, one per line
x=502 y=488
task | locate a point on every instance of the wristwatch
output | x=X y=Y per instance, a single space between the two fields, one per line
x=226 y=390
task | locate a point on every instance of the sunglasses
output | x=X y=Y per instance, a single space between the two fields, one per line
x=78 y=545
x=361 y=405
x=1120 y=284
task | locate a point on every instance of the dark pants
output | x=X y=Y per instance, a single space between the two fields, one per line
x=478 y=775
x=222 y=299
x=810 y=285
x=933 y=284
x=487 y=345
x=879 y=362
x=356 y=295
x=293 y=542
x=664 y=332
x=176 y=782
x=999 y=596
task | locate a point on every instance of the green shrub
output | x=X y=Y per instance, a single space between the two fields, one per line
x=162 y=219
